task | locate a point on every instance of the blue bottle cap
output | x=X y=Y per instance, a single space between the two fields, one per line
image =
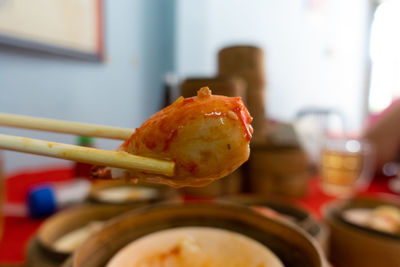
x=41 y=201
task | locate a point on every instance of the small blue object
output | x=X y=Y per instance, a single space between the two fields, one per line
x=41 y=201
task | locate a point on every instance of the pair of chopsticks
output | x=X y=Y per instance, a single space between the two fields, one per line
x=117 y=159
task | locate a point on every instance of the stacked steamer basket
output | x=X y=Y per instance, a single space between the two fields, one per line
x=227 y=86
x=62 y=233
x=277 y=163
x=247 y=63
x=352 y=244
x=44 y=249
x=282 y=208
x=290 y=244
x=278 y=170
x=120 y=192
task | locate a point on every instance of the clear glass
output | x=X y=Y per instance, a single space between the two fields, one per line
x=346 y=166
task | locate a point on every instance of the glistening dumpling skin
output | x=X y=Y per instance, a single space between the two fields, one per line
x=207 y=136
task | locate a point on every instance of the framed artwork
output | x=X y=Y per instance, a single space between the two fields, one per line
x=71 y=28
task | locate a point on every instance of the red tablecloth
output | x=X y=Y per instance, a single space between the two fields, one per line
x=316 y=199
x=18 y=230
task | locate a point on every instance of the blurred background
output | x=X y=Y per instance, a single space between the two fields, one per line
x=320 y=78
x=317 y=54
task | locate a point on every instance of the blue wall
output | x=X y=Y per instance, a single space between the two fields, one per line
x=122 y=91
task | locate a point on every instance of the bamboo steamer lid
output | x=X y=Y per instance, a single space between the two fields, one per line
x=228 y=86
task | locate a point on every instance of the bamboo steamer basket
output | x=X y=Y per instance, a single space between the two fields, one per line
x=357 y=246
x=161 y=192
x=247 y=63
x=223 y=85
x=278 y=171
x=36 y=256
x=243 y=60
x=227 y=86
x=41 y=249
x=300 y=216
x=290 y=243
x=229 y=185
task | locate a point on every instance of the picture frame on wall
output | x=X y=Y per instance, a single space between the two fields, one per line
x=72 y=28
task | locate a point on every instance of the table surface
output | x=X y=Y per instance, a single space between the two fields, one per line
x=18 y=230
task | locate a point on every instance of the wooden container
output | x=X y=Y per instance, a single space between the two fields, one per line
x=37 y=256
x=152 y=193
x=278 y=171
x=285 y=207
x=247 y=63
x=228 y=86
x=232 y=184
x=287 y=241
x=357 y=246
x=243 y=61
x=42 y=247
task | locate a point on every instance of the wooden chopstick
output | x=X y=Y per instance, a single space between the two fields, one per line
x=60 y=126
x=86 y=154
